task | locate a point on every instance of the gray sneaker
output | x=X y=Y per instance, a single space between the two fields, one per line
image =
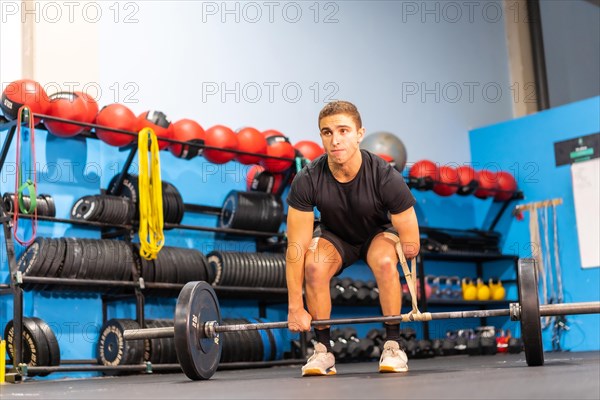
x=320 y=363
x=393 y=359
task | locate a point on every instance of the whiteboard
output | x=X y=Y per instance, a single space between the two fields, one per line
x=586 y=193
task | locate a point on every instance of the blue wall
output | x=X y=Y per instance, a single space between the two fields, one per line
x=525 y=147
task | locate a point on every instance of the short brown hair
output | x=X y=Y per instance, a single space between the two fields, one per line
x=341 y=107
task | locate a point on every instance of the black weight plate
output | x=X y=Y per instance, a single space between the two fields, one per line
x=88 y=256
x=240 y=270
x=55 y=268
x=198 y=355
x=151 y=346
x=32 y=258
x=197 y=269
x=187 y=267
x=8 y=200
x=50 y=202
x=106 y=251
x=531 y=329
x=228 y=278
x=113 y=349
x=85 y=208
x=50 y=252
x=35 y=346
x=228 y=210
x=185 y=271
x=172 y=355
x=53 y=348
x=98 y=269
x=253 y=267
x=173 y=265
x=166 y=345
x=127 y=269
x=215 y=264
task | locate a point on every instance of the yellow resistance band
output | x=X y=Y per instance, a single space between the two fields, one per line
x=152 y=238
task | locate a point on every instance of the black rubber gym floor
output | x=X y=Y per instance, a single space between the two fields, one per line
x=565 y=376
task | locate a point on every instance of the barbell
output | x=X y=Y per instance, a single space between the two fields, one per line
x=198 y=315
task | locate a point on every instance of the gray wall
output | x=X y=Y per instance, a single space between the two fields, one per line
x=571 y=31
x=426 y=71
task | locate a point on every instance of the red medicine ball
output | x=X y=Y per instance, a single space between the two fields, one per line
x=466 y=179
x=309 y=150
x=507 y=185
x=487 y=184
x=189 y=131
x=448 y=178
x=24 y=92
x=252 y=141
x=222 y=137
x=116 y=116
x=70 y=106
x=91 y=106
x=424 y=169
x=278 y=145
x=157 y=121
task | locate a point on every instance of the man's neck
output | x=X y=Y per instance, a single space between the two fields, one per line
x=347 y=171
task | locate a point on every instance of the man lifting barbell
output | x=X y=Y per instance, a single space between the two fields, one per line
x=366 y=208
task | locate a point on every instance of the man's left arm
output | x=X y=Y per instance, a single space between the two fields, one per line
x=408 y=231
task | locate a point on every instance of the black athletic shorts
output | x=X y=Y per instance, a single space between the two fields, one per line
x=350 y=253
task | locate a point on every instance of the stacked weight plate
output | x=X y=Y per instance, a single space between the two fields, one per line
x=241 y=346
x=75 y=258
x=173 y=207
x=40 y=347
x=103 y=208
x=173 y=265
x=45 y=204
x=247 y=269
x=251 y=210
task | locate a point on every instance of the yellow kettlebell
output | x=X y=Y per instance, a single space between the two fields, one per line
x=498 y=292
x=469 y=291
x=483 y=290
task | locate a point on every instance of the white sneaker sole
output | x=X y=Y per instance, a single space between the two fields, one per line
x=389 y=368
x=318 y=372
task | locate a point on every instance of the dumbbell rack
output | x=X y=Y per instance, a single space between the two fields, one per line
x=137 y=284
x=479 y=260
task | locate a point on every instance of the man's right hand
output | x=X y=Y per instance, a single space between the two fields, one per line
x=299 y=320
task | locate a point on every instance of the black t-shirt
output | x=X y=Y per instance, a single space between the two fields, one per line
x=353 y=210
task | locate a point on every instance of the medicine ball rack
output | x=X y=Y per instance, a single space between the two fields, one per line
x=262 y=294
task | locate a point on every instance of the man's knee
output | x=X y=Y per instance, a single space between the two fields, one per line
x=386 y=267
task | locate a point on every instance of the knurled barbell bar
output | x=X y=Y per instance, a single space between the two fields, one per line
x=198 y=315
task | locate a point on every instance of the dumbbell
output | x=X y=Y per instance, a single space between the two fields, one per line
x=425 y=348
x=515 y=345
x=351 y=292
x=338 y=287
x=339 y=344
x=357 y=348
x=378 y=337
x=462 y=336
x=449 y=346
x=473 y=346
x=363 y=292
x=487 y=340
x=373 y=291
x=455 y=289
